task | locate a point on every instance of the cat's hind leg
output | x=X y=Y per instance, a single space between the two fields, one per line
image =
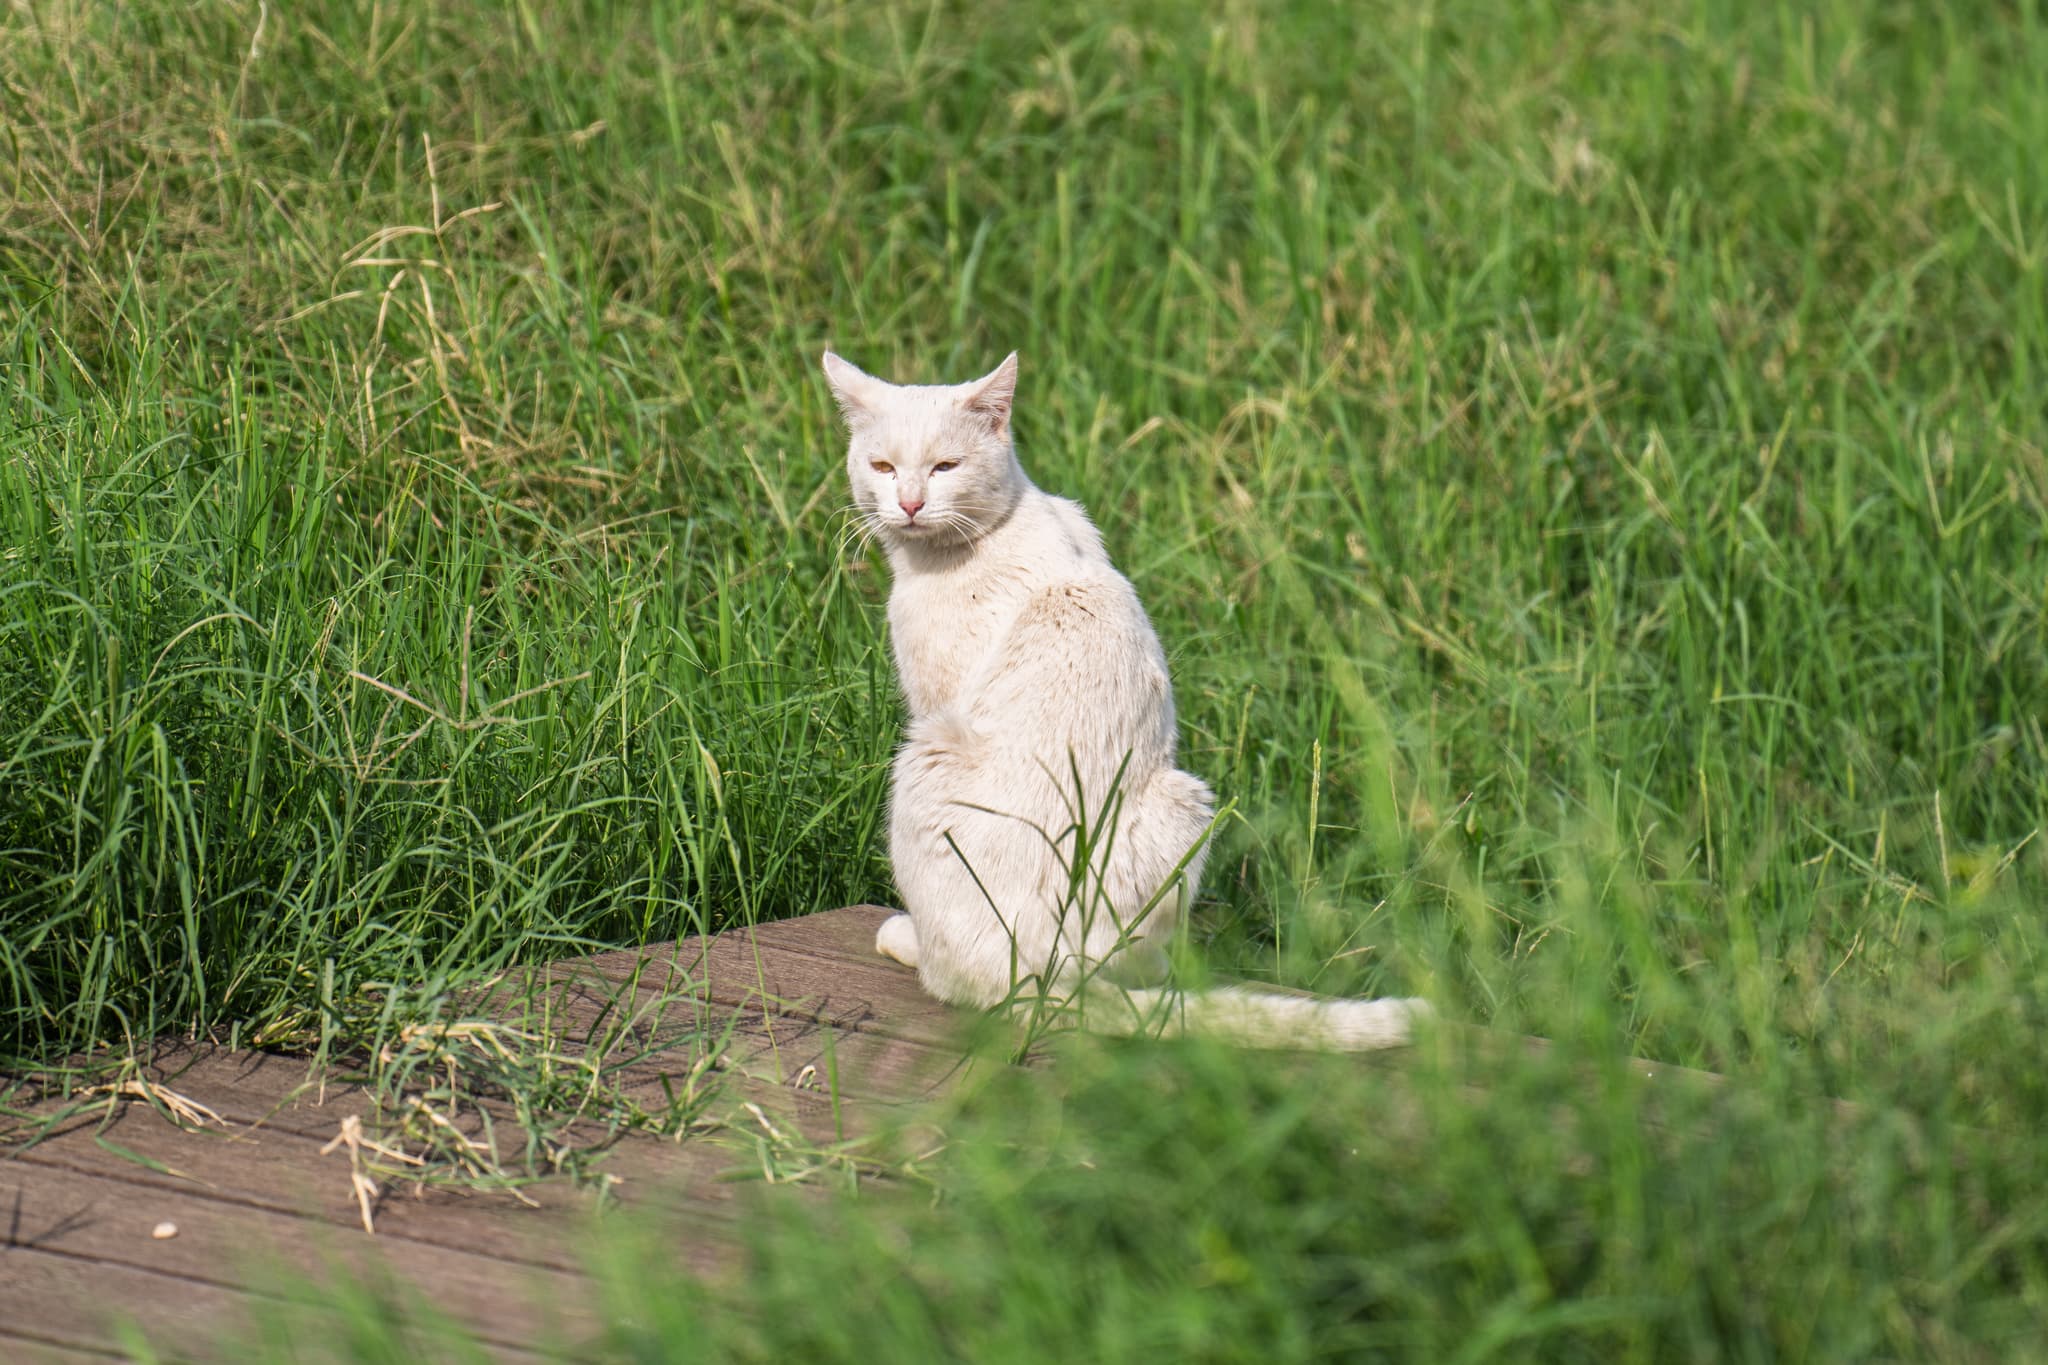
x=897 y=938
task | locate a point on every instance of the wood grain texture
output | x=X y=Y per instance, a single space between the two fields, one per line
x=788 y=1008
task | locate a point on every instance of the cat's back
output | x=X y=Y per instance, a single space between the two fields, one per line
x=1075 y=615
x=1077 y=534
x=1076 y=676
x=1066 y=575
x=1038 y=616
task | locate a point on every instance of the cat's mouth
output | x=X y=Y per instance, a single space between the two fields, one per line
x=928 y=528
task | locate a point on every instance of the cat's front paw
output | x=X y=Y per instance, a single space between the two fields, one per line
x=897 y=938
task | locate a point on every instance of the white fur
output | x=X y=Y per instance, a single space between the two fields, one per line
x=1038 y=694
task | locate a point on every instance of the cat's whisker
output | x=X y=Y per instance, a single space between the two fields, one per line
x=954 y=520
x=858 y=531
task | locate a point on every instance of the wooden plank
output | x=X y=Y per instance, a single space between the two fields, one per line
x=277 y=1168
x=845 y=935
x=274 y=1092
x=585 y=1002
x=32 y=1350
x=810 y=972
x=791 y=1006
x=99 y=1219
x=669 y=1000
x=79 y=1305
x=868 y=1065
x=279 y=1173
x=778 y=1054
x=271 y=1155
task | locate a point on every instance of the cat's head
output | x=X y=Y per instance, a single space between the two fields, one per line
x=929 y=463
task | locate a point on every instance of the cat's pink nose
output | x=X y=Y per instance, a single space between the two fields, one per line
x=909 y=507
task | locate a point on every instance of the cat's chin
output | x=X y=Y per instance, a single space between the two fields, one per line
x=914 y=533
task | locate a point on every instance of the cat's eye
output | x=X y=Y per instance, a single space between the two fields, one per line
x=882 y=467
x=945 y=465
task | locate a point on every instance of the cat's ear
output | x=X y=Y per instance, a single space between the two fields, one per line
x=992 y=394
x=857 y=391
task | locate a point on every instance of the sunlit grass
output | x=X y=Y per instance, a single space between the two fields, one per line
x=1586 y=464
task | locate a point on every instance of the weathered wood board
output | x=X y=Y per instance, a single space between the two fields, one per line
x=253 y=1194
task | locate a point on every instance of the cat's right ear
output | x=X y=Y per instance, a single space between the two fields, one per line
x=856 y=391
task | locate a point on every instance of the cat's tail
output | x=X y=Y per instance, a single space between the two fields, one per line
x=1256 y=1018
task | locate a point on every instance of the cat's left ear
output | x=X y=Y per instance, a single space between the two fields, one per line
x=992 y=394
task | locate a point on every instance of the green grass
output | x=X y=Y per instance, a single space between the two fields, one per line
x=1586 y=463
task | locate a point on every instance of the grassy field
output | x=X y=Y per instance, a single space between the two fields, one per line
x=1589 y=466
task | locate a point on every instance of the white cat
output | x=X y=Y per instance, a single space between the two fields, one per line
x=1041 y=738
